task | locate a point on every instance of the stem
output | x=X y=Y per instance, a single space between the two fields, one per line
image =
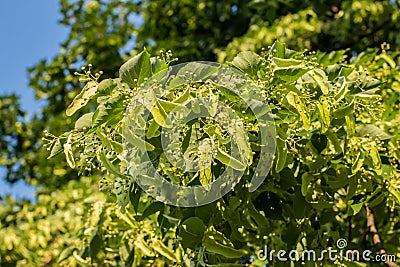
x=377 y=241
x=349 y=228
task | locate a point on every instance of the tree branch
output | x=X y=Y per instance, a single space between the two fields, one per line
x=377 y=241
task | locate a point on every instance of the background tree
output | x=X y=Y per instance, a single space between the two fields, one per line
x=12 y=132
x=326 y=26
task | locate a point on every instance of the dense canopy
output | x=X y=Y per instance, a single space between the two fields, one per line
x=329 y=71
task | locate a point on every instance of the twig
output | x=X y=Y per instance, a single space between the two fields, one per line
x=349 y=227
x=377 y=241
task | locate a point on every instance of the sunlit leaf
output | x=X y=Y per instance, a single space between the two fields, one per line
x=87 y=93
x=135 y=70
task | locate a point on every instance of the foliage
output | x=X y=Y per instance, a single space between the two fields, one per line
x=211 y=24
x=325 y=26
x=336 y=152
x=82 y=228
x=12 y=132
x=325 y=105
x=104 y=32
x=34 y=234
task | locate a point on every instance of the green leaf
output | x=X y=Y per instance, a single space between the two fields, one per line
x=366 y=83
x=368 y=94
x=193 y=72
x=163 y=250
x=358 y=163
x=376 y=160
x=111 y=109
x=356 y=207
x=84 y=122
x=183 y=97
x=87 y=93
x=151 y=209
x=285 y=63
x=56 y=149
x=388 y=59
x=321 y=79
x=342 y=91
x=65 y=254
x=191 y=233
x=152 y=130
x=331 y=58
x=122 y=186
x=395 y=193
x=291 y=233
x=290 y=74
x=324 y=114
x=134 y=196
x=216 y=242
x=366 y=56
x=278 y=49
x=377 y=200
x=229 y=160
x=186 y=139
x=104 y=139
x=281 y=155
x=247 y=62
x=167 y=105
x=299 y=203
x=338 y=179
x=229 y=95
x=118 y=147
x=336 y=71
x=135 y=70
x=271 y=204
x=96 y=244
x=350 y=125
x=159 y=115
x=131 y=257
x=206 y=176
x=157 y=64
x=353 y=183
x=135 y=140
x=68 y=152
x=333 y=137
x=346 y=110
x=319 y=141
x=106 y=86
x=99 y=115
x=287 y=179
x=142 y=245
x=306 y=179
x=372 y=131
x=294 y=100
x=108 y=165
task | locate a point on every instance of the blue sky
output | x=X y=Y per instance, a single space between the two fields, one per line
x=30 y=32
